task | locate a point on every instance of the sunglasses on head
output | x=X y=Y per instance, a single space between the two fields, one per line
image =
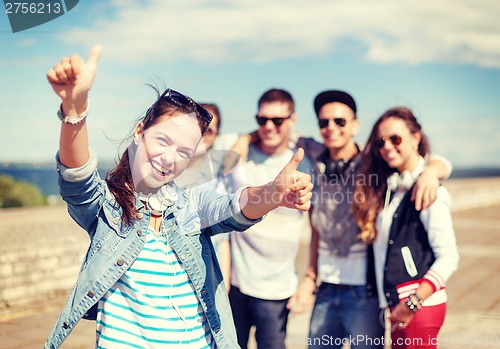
x=341 y=122
x=181 y=100
x=262 y=120
x=394 y=139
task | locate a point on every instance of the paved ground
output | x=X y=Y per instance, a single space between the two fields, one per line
x=473 y=319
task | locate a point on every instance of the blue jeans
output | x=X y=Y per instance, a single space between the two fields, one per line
x=344 y=312
x=268 y=316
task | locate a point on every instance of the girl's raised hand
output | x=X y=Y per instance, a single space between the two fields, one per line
x=72 y=78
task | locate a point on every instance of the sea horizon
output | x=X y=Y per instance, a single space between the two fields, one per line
x=44 y=174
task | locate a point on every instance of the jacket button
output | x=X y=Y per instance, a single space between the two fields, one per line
x=391 y=242
x=90 y=294
x=387 y=294
x=139 y=233
x=120 y=262
x=116 y=220
x=395 y=215
x=140 y=215
x=65 y=325
x=368 y=287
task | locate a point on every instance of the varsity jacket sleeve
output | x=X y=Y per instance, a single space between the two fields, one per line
x=438 y=223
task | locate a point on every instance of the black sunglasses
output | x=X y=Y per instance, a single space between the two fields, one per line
x=262 y=120
x=341 y=122
x=183 y=101
x=394 y=139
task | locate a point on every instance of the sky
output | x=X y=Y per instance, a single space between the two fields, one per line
x=439 y=58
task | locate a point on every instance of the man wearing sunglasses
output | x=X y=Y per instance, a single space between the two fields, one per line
x=346 y=305
x=263 y=276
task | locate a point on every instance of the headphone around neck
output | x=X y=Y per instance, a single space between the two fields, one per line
x=400 y=181
x=158 y=202
x=336 y=168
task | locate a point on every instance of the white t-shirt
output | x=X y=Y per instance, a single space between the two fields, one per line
x=263 y=257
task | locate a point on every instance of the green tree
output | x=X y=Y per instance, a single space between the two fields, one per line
x=19 y=193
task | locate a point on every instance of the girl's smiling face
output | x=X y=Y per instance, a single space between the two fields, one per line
x=160 y=153
x=402 y=156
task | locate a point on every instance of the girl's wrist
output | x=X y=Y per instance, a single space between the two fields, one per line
x=75 y=104
x=73 y=115
x=413 y=302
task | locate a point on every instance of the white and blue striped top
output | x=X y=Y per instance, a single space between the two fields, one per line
x=154 y=304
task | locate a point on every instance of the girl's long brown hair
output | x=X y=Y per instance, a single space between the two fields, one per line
x=119 y=179
x=370 y=198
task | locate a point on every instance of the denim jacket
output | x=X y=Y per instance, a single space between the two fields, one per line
x=114 y=246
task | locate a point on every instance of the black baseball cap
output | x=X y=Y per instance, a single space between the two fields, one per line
x=331 y=96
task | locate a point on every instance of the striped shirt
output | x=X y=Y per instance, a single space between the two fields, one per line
x=154 y=304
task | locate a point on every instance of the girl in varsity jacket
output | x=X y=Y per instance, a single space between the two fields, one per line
x=414 y=252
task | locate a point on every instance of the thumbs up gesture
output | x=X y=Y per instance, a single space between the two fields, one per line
x=294 y=187
x=72 y=78
x=290 y=188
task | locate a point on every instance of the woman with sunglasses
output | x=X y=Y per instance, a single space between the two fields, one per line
x=415 y=252
x=149 y=277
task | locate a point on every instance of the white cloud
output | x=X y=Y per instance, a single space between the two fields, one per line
x=447 y=31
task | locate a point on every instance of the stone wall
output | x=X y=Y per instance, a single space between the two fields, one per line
x=41 y=251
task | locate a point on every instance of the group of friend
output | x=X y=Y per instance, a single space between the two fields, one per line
x=188 y=251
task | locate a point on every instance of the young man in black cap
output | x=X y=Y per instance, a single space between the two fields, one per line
x=346 y=305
